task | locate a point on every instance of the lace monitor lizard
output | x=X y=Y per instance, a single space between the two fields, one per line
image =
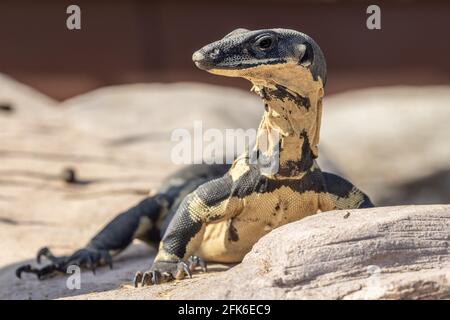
x=217 y=212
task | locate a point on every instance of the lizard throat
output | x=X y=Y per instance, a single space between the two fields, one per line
x=293 y=110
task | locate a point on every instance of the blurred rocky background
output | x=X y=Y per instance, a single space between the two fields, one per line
x=152 y=41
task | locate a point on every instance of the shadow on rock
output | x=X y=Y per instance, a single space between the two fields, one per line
x=137 y=257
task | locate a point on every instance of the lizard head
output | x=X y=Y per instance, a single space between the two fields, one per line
x=263 y=56
x=287 y=69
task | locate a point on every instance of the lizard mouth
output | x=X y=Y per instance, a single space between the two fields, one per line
x=216 y=62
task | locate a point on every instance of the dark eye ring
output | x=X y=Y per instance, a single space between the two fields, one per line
x=264 y=43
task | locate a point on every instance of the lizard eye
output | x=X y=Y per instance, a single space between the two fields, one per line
x=264 y=43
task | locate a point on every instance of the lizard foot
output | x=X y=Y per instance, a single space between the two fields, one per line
x=195 y=261
x=162 y=271
x=88 y=258
x=41 y=273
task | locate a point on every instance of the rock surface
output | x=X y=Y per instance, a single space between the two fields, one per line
x=379 y=253
x=120 y=151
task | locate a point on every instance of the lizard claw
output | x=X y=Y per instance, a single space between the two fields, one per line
x=24 y=268
x=151 y=278
x=162 y=271
x=195 y=261
x=182 y=270
x=88 y=258
x=137 y=278
x=147 y=279
x=43 y=252
x=106 y=258
x=41 y=273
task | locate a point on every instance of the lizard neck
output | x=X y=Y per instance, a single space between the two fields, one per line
x=293 y=108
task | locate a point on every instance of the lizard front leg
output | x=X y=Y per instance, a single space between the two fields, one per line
x=211 y=202
x=342 y=194
x=143 y=221
x=138 y=222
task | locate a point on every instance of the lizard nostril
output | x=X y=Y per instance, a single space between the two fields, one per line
x=215 y=53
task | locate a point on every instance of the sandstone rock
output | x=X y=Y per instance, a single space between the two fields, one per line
x=380 y=253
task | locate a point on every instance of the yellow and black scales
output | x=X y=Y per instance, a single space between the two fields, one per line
x=217 y=212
